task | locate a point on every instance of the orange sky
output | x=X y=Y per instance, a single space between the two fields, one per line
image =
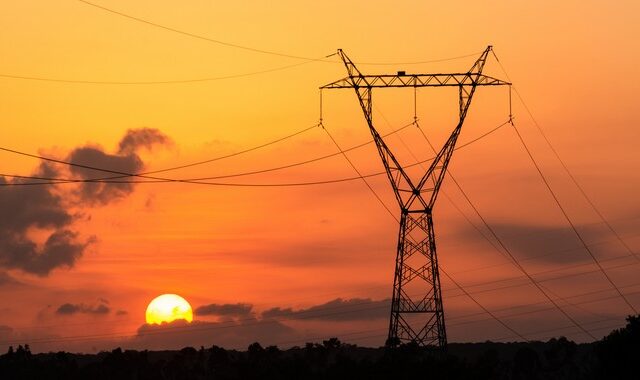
x=300 y=247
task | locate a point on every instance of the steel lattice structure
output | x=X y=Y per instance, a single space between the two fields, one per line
x=416 y=319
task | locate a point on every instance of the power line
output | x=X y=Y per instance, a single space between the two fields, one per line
x=201 y=181
x=300 y=163
x=144 y=174
x=487 y=311
x=447 y=275
x=359 y=174
x=476 y=285
x=468 y=295
x=166 y=180
x=569 y=221
x=541 y=303
x=415 y=122
x=562 y=277
x=419 y=62
x=119 y=320
x=566 y=168
x=608 y=327
x=173 y=81
x=197 y=80
x=187 y=328
x=260 y=146
x=196 y=36
x=441 y=269
x=541 y=310
x=175 y=329
x=493 y=316
x=253 y=49
x=548 y=253
x=307 y=314
x=457 y=184
x=462 y=289
x=508 y=252
x=473 y=224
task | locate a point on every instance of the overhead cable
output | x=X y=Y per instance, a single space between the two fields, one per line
x=570 y=222
x=253 y=49
x=507 y=251
x=202 y=180
x=566 y=168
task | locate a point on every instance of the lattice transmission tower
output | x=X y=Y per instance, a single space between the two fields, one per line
x=417 y=313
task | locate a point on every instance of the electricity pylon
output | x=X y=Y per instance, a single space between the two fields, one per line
x=417 y=314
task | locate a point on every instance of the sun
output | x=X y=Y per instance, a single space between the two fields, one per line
x=168 y=308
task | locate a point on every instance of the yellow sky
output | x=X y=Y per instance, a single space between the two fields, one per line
x=572 y=61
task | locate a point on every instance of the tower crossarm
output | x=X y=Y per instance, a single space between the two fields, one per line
x=422 y=194
x=416 y=80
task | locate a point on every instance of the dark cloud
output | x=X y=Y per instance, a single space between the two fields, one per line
x=230 y=310
x=142 y=138
x=230 y=334
x=122 y=312
x=67 y=309
x=100 y=192
x=551 y=244
x=354 y=309
x=125 y=161
x=27 y=207
x=32 y=206
x=47 y=209
x=71 y=309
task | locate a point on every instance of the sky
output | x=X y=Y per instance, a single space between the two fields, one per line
x=285 y=265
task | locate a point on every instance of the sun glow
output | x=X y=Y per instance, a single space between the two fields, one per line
x=168 y=308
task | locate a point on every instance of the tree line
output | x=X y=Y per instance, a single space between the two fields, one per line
x=615 y=356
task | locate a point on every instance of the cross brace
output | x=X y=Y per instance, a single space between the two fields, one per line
x=416 y=80
x=417 y=318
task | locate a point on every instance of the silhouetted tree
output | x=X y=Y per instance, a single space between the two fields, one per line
x=526 y=364
x=331 y=344
x=488 y=364
x=619 y=351
x=612 y=358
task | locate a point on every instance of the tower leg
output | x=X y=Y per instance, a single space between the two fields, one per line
x=417 y=314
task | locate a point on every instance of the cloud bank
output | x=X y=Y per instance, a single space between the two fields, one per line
x=71 y=309
x=225 y=310
x=354 y=309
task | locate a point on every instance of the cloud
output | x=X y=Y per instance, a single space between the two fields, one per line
x=47 y=210
x=551 y=244
x=142 y=138
x=101 y=192
x=229 y=310
x=269 y=327
x=36 y=207
x=230 y=334
x=125 y=161
x=354 y=309
x=122 y=312
x=71 y=309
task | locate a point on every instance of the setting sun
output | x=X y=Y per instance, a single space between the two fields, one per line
x=168 y=308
